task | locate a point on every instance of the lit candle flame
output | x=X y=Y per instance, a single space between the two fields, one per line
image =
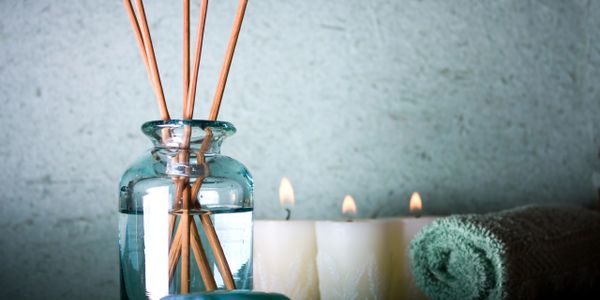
x=286 y=196
x=286 y=193
x=416 y=204
x=349 y=206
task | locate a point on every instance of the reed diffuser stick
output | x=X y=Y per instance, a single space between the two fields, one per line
x=174 y=252
x=162 y=103
x=213 y=239
x=185 y=219
x=188 y=110
x=179 y=186
x=154 y=78
x=237 y=25
x=172 y=220
x=185 y=241
x=138 y=35
x=188 y=226
x=155 y=81
x=186 y=48
x=201 y=259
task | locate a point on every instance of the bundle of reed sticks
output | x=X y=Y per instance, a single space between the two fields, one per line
x=186 y=236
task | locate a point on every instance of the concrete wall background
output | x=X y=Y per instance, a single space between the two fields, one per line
x=480 y=105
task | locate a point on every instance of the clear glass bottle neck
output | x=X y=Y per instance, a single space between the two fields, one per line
x=195 y=136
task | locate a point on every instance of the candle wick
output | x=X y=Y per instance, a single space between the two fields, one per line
x=289 y=214
x=349 y=217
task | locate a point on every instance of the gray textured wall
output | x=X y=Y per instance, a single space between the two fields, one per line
x=480 y=105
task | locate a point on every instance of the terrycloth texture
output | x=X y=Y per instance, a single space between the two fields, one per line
x=532 y=252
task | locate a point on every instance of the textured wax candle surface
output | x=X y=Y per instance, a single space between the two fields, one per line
x=284 y=258
x=353 y=260
x=479 y=105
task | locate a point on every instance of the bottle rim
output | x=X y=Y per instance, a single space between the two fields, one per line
x=221 y=128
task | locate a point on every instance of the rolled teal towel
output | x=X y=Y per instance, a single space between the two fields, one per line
x=532 y=252
x=229 y=295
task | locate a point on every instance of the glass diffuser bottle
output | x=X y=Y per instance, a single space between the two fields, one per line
x=186 y=214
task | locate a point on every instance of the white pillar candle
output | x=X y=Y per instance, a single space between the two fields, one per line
x=353 y=260
x=284 y=258
x=401 y=231
x=285 y=253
